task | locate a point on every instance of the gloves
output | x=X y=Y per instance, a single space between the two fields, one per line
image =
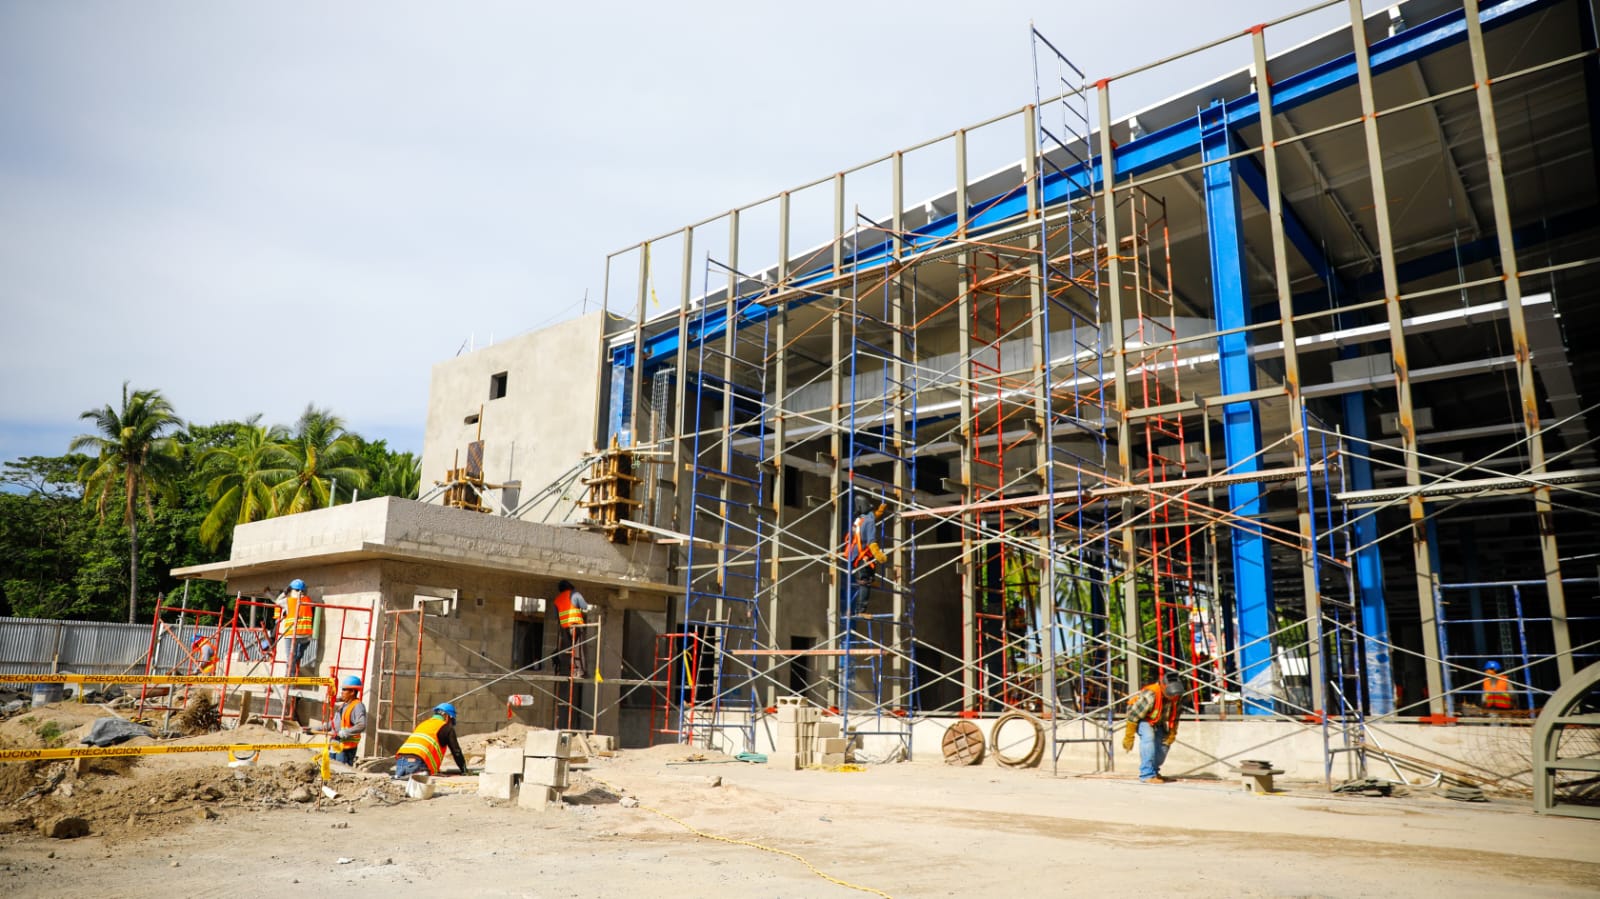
x=1128 y=735
x=877 y=553
x=1172 y=737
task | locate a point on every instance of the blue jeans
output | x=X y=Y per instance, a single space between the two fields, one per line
x=1152 y=749
x=348 y=756
x=407 y=765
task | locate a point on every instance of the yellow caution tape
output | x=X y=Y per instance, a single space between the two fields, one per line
x=100 y=752
x=161 y=679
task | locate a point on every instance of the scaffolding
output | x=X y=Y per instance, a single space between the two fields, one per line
x=1100 y=412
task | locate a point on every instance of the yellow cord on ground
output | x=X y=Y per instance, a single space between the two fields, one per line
x=754 y=845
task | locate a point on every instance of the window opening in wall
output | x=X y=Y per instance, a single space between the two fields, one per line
x=800 y=666
x=497 y=385
x=470 y=419
x=791 y=487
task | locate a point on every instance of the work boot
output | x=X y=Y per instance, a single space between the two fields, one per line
x=1158 y=779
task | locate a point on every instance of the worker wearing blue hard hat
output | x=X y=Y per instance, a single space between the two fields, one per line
x=297 y=619
x=423 y=751
x=1496 y=688
x=348 y=721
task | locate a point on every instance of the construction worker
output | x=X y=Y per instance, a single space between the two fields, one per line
x=348 y=721
x=203 y=653
x=1496 y=688
x=424 y=749
x=1153 y=715
x=570 y=606
x=296 y=623
x=862 y=556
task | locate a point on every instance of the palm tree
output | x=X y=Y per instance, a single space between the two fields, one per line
x=132 y=450
x=400 y=474
x=322 y=455
x=241 y=479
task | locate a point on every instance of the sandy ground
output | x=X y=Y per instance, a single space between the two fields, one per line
x=905 y=830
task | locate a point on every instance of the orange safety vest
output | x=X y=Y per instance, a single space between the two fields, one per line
x=570 y=615
x=208 y=657
x=1163 y=709
x=299 y=617
x=346 y=721
x=424 y=743
x=856 y=553
x=1496 y=692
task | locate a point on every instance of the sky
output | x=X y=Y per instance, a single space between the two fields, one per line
x=256 y=206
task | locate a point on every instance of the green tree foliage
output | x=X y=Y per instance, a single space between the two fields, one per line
x=326 y=461
x=135 y=457
x=60 y=557
x=241 y=477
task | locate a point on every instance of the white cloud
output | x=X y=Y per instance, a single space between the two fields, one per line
x=256 y=206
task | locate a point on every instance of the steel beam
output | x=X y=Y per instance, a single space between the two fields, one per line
x=1131 y=626
x=1281 y=219
x=1252 y=574
x=1528 y=390
x=1397 y=350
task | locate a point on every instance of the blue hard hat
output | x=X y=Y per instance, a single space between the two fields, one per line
x=350 y=680
x=198 y=638
x=1492 y=666
x=445 y=708
x=297 y=584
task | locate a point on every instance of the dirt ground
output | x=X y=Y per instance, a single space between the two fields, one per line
x=189 y=826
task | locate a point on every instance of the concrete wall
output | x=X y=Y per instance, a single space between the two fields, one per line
x=406 y=526
x=543 y=424
x=1499 y=755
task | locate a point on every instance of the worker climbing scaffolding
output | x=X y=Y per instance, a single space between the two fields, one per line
x=863 y=556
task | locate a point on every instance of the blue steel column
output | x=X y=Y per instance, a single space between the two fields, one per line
x=1252 y=576
x=1377 y=659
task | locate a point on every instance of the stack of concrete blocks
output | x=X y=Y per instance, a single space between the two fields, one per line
x=533 y=774
x=804 y=738
x=544 y=768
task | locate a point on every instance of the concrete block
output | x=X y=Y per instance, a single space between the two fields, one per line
x=810 y=716
x=787 y=701
x=548 y=744
x=790 y=736
x=502 y=760
x=827 y=730
x=788 y=714
x=831 y=759
x=497 y=786
x=603 y=742
x=784 y=761
x=836 y=745
x=538 y=798
x=545 y=771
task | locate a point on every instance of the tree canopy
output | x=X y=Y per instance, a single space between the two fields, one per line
x=92 y=534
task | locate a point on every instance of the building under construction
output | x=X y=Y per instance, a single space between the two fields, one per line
x=1280 y=384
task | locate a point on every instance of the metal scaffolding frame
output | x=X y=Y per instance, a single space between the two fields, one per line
x=1094 y=458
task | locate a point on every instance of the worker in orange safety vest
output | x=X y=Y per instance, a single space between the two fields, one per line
x=296 y=626
x=348 y=721
x=203 y=653
x=1496 y=688
x=570 y=606
x=862 y=556
x=424 y=749
x=1153 y=717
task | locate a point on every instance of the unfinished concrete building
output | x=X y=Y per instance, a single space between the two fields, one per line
x=1284 y=384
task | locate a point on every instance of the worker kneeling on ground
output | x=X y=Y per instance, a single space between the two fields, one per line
x=424 y=749
x=1153 y=716
x=348 y=721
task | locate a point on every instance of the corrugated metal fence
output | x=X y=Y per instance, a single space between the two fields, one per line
x=43 y=646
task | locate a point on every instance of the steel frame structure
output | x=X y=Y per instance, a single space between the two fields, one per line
x=1030 y=339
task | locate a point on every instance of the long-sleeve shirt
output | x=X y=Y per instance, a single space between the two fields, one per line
x=358 y=720
x=447 y=739
x=1140 y=705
